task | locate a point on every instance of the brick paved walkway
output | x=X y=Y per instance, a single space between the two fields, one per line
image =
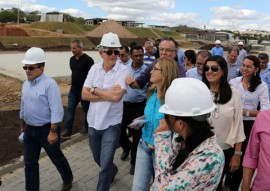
x=85 y=172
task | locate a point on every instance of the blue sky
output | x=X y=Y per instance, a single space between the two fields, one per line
x=213 y=14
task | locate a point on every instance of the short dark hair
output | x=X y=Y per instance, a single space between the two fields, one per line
x=41 y=64
x=168 y=38
x=78 y=42
x=133 y=43
x=136 y=47
x=204 y=53
x=233 y=49
x=125 y=48
x=191 y=56
x=263 y=56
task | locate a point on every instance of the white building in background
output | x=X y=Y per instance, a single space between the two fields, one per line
x=53 y=17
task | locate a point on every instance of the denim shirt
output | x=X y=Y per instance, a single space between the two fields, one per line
x=153 y=116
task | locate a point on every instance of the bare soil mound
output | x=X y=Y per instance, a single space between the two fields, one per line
x=12 y=31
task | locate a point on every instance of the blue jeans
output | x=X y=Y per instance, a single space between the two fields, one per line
x=35 y=138
x=144 y=167
x=74 y=97
x=103 y=144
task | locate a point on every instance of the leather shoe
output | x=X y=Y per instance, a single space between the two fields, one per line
x=132 y=169
x=67 y=185
x=124 y=155
x=84 y=131
x=66 y=134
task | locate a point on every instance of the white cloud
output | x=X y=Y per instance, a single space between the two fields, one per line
x=75 y=12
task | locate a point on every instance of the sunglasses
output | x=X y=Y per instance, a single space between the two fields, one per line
x=110 y=52
x=213 y=68
x=29 y=68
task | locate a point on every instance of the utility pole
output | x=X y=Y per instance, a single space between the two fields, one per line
x=18 y=15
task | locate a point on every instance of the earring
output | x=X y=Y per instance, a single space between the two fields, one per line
x=255 y=74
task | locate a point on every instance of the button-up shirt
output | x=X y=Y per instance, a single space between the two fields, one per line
x=138 y=94
x=265 y=76
x=41 y=102
x=103 y=114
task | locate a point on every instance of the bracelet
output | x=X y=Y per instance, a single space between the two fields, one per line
x=53 y=130
x=238 y=153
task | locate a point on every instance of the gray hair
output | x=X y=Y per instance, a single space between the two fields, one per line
x=78 y=42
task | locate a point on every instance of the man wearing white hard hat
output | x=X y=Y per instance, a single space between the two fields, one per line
x=242 y=51
x=104 y=87
x=40 y=114
x=217 y=50
x=192 y=159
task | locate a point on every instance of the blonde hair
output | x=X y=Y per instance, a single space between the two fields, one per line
x=170 y=71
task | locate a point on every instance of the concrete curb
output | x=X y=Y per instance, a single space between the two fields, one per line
x=18 y=162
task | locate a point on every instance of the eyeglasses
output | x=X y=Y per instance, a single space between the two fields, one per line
x=30 y=68
x=213 y=68
x=137 y=55
x=110 y=52
x=156 y=69
x=166 y=50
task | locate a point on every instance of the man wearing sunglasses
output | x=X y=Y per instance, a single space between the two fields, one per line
x=104 y=87
x=80 y=63
x=40 y=114
x=197 y=72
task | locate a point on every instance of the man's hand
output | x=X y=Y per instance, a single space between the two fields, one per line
x=163 y=126
x=52 y=137
x=129 y=80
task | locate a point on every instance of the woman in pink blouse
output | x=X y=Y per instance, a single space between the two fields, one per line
x=257 y=155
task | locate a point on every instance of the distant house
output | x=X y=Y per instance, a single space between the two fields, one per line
x=160 y=27
x=208 y=36
x=94 y=21
x=130 y=23
x=53 y=18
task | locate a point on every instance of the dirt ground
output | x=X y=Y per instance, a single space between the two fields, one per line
x=10 y=94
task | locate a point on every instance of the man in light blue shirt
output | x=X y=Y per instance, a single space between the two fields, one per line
x=197 y=71
x=40 y=114
x=233 y=63
x=217 y=50
x=265 y=69
x=134 y=104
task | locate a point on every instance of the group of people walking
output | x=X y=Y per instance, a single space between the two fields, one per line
x=193 y=122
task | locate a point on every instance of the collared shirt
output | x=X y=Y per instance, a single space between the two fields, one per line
x=258 y=151
x=103 y=114
x=233 y=69
x=138 y=94
x=153 y=116
x=127 y=63
x=227 y=120
x=201 y=170
x=249 y=99
x=242 y=55
x=217 y=51
x=180 y=56
x=149 y=59
x=41 y=102
x=265 y=76
x=193 y=73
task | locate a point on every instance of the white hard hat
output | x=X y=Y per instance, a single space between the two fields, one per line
x=187 y=97
x=240 y=43
x=34 y=55
x=218 y=42
x=110 y=40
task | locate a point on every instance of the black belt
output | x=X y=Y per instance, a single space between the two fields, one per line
x=134 y=103
x=48 y=125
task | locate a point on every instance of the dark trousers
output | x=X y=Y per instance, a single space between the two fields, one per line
x=35 y=138
x=74 y=97
x=237 y=176
x=228 y=153
x=131 y=111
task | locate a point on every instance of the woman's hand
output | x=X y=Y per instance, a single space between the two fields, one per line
x=235 y=163
x=163 y=126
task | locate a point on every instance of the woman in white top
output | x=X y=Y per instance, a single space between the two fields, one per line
x=227 y=118
x=253 y=91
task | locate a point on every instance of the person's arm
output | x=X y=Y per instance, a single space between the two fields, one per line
x=235 y=160
x=113 y=95
x=264 y=97
x=144 y=78
x=87 y=95
x=131 y=82
x=53 y=135
x=22 y=126
x=247 y=178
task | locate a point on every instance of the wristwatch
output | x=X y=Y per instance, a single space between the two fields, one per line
x=247 y=113
x=93 y=90
x=238 y=153
x=53 y=130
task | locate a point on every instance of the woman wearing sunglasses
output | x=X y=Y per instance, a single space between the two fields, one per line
x=253 y=91
x=191 y=160
x=227 y=117
x=163 y=73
